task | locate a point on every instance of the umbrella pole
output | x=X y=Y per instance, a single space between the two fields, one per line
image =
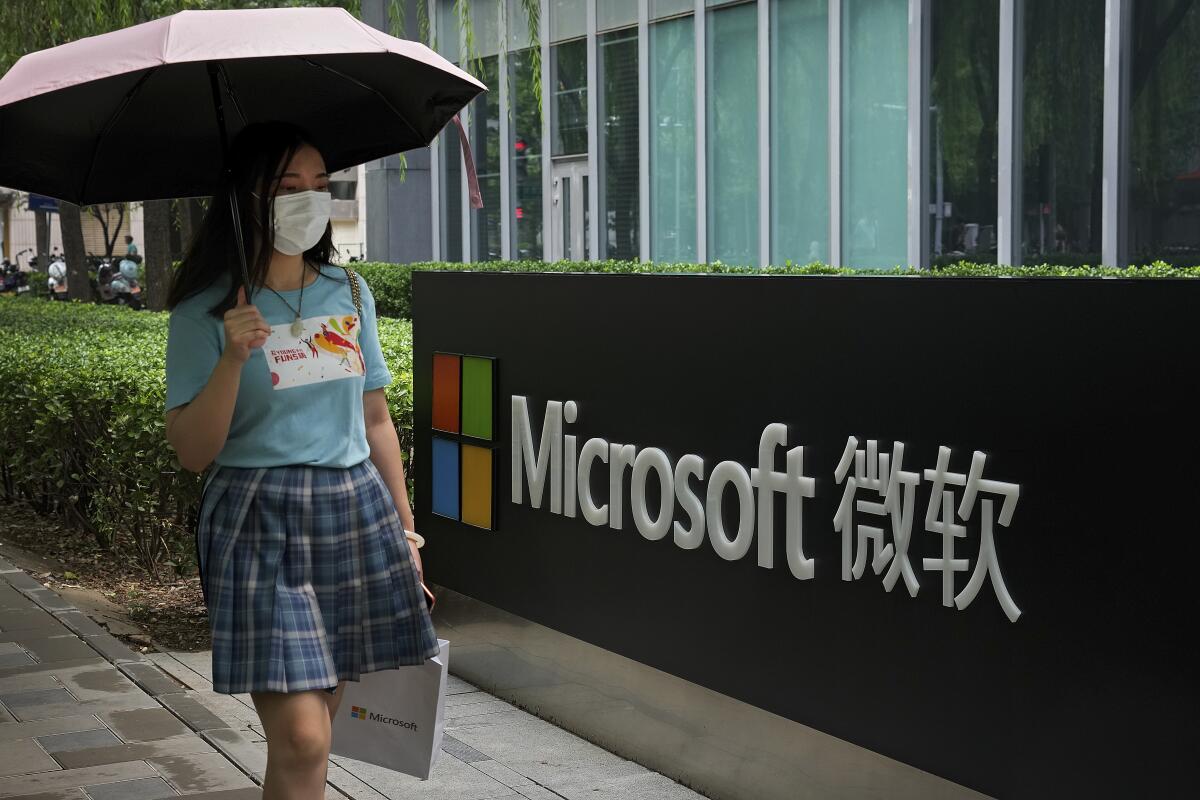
x=213 y=67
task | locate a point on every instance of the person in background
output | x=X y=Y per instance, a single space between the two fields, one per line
x=130 y=247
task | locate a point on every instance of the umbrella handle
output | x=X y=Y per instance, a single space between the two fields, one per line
x=472 y=177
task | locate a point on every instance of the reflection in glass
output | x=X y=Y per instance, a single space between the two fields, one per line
x=619 y=199
x=673 y=140
x=526 y=153
x=963 y=138
x=568 y=103
x=799 y=131
x=1165 y=143
x=1063 y=136
x=485 y=144
x=874 y=133
x=731 y=64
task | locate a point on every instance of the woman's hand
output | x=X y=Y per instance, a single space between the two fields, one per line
x=416 y=559
x=245 y=330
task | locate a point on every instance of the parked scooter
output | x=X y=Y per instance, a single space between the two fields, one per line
x=118 y=285
x=14 y=280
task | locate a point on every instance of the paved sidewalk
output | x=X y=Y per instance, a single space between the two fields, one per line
x=83 y=716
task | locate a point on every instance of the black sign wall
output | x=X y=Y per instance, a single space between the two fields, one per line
x=1075 y=401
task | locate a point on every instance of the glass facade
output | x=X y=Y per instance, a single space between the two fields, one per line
x=619 y=170
x=963 y=129
x=568 y=102
x=485 y=147
x=525 y=150
x=799 y=131
x=1073 y=151
x=874 y=133
x=673 y=140
x=731 y=108
x=1063 y=148
x=1164 y=89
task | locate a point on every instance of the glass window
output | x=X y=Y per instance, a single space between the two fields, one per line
x=1063 y=147
x=526 y=153
x=485 y=26
x=568 y=103
x=668 y=8
x=874 y=133
x=517 y=24
x=731 y=64
x=673 y=140
x=568 y=19
x=447 y=30
x=963 y=135
x=1165 y=145
x=616 y=14
x=485 y=143
x=799 y=131
x=451 y=223
x=619 y=192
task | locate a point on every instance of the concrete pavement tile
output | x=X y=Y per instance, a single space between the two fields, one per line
x=55 y=743
x=58 y=648
x=501 y=773
x=351 y=786
x=535 y=792
x=11 y=732
x=62 y=779
x=456 y=685
x=239 y=749
x=250 y=793
x=17 y=659
x=465 y=698
x=199 y=661
x=23 y=757
x=31 y=669
x=18 y=702
x=510 y=717
x=28 y=619
x=119 y=702
x=491 y=706
x=151 y=679
x=229 y=708
x=647 y=786
x=22 y=581
x=450 y=779
x=192 y=711
x=180 y=671
x=461 y=751
x=140 y=789
x=6 y=717
x=11 y=598
x=24 y=683
x=531 y=741
x=145 y=725
x=200 y=773
x=49 y=600
x=174 y=746
x=65 y=794
x=573 y=779
x=113 y=648
x=7 y=648
x=80 y=623
x=95 y=683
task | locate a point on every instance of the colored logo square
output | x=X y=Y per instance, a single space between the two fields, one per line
x=358 y=713
x=464 y=440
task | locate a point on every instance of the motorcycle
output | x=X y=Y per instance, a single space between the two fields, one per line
x=15 y=281
x=118 y=285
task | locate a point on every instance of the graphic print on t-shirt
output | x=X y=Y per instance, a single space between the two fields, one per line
x=326 y=351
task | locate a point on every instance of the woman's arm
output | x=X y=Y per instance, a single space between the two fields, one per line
x=198 y=430
x=385 y=454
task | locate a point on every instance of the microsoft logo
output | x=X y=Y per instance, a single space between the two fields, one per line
x=358 y=712
x=464 y=425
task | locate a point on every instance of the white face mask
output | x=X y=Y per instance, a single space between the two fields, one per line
x=300 y=220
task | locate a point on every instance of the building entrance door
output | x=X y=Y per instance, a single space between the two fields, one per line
x=569 y=240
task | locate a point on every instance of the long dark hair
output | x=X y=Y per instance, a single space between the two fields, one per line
x=256 y=155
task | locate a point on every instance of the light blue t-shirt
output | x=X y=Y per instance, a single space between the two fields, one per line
x=300 y=400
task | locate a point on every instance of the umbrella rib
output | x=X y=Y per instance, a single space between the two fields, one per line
x=371 y=89
x=108 y=126
x=232 y=93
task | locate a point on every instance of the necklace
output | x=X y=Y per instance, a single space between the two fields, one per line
x=297 y=328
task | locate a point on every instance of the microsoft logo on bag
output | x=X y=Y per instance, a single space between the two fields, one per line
x=357 y=712
x=464 y=444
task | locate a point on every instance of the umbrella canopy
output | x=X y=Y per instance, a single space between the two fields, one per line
x=134 y=114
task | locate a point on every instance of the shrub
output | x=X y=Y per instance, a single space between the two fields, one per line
x=391 y=284
x=83 y=436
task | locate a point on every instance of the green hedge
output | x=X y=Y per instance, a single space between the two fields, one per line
x=82 y=434
x=392 y=283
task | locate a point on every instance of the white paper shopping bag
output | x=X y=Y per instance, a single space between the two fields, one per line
x=395 y=718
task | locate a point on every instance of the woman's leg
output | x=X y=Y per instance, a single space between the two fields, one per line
x=298 y=735
x=334 y=700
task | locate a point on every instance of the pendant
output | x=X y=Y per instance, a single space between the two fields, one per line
x=297 y=327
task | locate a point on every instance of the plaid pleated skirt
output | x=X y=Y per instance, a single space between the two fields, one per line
x=308 y=578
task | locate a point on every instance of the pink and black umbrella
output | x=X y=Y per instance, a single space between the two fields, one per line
x=147 y=112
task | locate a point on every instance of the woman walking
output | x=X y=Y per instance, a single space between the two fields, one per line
x=309 y=575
